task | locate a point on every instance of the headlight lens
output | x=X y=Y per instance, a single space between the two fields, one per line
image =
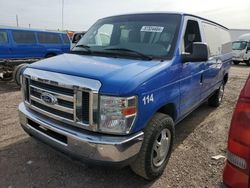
x=117 y=114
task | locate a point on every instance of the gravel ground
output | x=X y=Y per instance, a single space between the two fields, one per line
x=25 y=162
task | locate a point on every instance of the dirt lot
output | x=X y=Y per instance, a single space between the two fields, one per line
x=25 y=162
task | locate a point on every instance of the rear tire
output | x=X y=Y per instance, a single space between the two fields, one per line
x=248 y=62
x=216 y=99
x=50 y=55
x=156 y=147
x=236 y=62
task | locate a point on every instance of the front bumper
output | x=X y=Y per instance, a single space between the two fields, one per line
x=80 y=144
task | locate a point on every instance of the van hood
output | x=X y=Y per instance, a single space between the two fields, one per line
x=113 y=73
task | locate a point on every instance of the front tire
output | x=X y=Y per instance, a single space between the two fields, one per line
x=17 y=72
x=216 y=99
x=248 y=62
x=236 y=62
x=50 y=55
x=156 y=148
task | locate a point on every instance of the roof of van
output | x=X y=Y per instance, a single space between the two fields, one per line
x=169 y=12
x=244 y=37
x=28 y=29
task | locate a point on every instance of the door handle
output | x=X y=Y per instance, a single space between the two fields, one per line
x=201 y=78
x=218 y=63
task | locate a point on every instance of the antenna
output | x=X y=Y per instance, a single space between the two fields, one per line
x=17 y=21
x=62 y=13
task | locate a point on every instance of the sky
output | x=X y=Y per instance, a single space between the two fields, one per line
x=79 y=15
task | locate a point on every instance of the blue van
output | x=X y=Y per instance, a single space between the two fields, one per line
x=16 y=43
x=117 y=97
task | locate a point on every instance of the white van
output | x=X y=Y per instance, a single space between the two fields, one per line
x=241 y=50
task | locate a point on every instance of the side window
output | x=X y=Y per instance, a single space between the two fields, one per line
x=24 y=37
x=103 y=35
x=3 y=37
x=192 y=34
x=217 y=38
x=226 y=44
x=77 y=37
x=49 y=38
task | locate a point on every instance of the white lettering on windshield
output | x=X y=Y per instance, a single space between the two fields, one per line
x=155 y=29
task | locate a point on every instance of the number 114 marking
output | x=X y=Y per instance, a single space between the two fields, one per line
x=148 y=99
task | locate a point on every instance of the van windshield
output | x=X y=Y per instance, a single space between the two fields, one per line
x=239 y=45
x=137 y=35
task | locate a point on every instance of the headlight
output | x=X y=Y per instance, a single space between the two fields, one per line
x=24 y=82
x=117 y=114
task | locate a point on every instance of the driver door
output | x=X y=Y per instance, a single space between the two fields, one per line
x=191 y=72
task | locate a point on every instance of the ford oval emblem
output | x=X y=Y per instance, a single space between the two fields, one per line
x=48 y=98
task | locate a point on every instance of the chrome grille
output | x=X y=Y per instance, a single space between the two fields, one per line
x=66 y=92
x=65 y=104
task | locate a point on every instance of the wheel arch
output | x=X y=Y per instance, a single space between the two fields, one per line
x=225 y=78
x=50 y=54
x=169 y=109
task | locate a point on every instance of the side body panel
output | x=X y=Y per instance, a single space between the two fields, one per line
x=5 y=47
x=20 y=50
x=246 y=56
x=220 y=57
x=24 y=50
x=50 y=48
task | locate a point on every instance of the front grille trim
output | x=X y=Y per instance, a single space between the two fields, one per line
x=58 y=95
x=51 y=79
x=55 y=106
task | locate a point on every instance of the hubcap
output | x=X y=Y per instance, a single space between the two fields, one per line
x=221 y=92
x=161 y=147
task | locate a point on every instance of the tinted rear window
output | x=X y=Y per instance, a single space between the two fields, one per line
x=65 y=38
x=49 y=38
x=24 y=37
x=3 y=37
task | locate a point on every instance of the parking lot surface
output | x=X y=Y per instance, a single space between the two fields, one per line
x=25 y=162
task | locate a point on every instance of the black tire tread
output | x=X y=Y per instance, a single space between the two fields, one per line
x=139 y=164
x=248 y=62
x=213 y=101
x=17 y=71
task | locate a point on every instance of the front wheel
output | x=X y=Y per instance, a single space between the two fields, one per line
x=236 y=62
x=156 y=148
x=248 y=62
x=216 y=99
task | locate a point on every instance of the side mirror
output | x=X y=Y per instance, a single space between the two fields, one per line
x=200 y=53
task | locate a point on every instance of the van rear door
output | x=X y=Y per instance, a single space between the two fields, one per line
x=4 y=45
x=219 y=48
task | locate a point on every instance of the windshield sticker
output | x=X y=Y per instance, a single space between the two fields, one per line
x=154 y=29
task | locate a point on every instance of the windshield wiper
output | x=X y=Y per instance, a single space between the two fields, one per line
x=130 y=51
x=86 y=47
